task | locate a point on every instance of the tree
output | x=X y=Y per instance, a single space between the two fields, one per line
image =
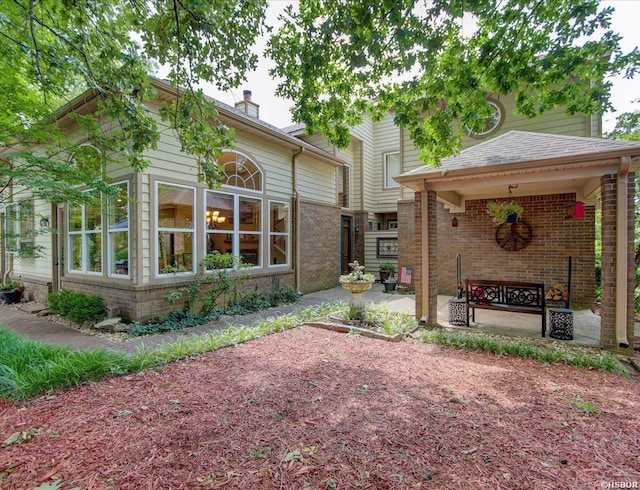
x=434 y=62
x=627 y=126
x=51 y=51
x=337 y=58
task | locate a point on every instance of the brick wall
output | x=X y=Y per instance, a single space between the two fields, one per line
x=145 y=302
x=320 y=247
x=545 y=259
x=406 y=237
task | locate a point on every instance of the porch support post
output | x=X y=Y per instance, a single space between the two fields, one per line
x=618 y=266
x=427 y=245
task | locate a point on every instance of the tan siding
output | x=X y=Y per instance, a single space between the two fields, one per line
x=387 y=140
x=316 y=182
x=364 y=180
x=371 y=260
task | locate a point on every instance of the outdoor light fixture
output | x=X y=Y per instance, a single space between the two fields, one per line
x=44 y=222
x=454 y=222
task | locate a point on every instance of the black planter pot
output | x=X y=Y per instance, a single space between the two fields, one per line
x=389 y=287
x=11 y=297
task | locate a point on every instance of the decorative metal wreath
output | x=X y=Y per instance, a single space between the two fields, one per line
x=514 y=236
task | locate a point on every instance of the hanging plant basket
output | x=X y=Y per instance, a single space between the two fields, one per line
x=504 y=212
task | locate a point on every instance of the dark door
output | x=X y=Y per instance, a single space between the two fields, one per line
x=346 y=245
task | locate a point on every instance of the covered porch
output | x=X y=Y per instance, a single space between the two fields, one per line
x=546 y=174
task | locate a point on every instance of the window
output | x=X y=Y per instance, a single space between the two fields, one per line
x=175 y=225
x=118 y=231
x=278 y=233
x=234 y=225
x=492 y=123
x=240 y=172
x=344 y=182
x=391 y=169
x=85 y=236
x=19 y=229
x=386 y=247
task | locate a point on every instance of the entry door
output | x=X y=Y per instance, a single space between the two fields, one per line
x=346 y=244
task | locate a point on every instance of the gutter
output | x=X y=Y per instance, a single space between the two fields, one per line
x=296 y=201
x=622 y=252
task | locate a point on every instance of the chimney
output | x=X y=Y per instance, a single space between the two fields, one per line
x=247 y=106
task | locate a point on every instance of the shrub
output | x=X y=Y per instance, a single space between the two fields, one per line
x=77 y=306
x=257 y=300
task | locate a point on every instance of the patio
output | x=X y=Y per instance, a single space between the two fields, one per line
x=586 y=325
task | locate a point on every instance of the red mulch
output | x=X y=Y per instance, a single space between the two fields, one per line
x=311 y=408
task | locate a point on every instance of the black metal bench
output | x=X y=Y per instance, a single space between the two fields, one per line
x=513 y=296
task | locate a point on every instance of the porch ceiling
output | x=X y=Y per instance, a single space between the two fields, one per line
x=521 y=163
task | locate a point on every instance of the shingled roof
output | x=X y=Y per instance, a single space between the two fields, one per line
x=522 y=146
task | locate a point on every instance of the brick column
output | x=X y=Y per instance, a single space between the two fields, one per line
x=608 y=339
x=426 y=266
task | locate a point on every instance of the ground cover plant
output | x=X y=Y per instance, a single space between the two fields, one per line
x=309 y=408
x=242 y=304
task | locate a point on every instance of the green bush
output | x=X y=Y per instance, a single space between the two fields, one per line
x=77 y=306
x=257 y=300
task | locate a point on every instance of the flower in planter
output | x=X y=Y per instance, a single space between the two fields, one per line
x=504 y=212
x=357 y=274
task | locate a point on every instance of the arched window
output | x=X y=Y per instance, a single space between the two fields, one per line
x=240 y=171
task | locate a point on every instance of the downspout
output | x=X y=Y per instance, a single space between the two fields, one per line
x=622 y=245
x=296 y=230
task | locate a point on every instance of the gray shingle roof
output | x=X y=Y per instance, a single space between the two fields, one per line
x=523 y=146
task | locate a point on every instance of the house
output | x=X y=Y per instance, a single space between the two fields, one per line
x=299 y=210
x=277 y=208
x=421 y=217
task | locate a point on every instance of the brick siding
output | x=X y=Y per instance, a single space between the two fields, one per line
x=545 y=259
x=320 y=246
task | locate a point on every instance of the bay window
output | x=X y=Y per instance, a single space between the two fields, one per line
x=86 y=239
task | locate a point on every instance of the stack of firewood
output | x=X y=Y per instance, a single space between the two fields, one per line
x=557 y=292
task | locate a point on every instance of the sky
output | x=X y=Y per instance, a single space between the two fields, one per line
x=275 y=110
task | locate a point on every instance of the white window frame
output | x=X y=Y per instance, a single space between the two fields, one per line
x=112 y=267
x=389 y=183
x=14 y=226
x=236 y=231
x=161 y=229
x=286 y=234
x=84 y=242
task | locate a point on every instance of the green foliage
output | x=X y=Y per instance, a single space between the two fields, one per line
x=357 y=274
x=574 y=356
x=243 y=305
x=584 y=405
x=627 y=126
x=501 y=211
x=10 y=285
x=338 y=59
x=29 y=368
x=220 y=274
x=77 y=306
x=387 y=266
x=257 y=300
x=176 y=320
